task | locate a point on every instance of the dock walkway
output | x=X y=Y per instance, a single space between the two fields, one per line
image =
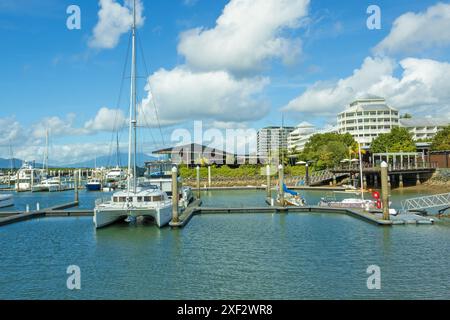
x=195 y=208
x=18 y=216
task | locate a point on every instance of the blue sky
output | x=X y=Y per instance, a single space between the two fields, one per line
x=59 y=78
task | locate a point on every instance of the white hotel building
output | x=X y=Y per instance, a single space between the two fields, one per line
x=298 y=138
x=367 y=118
x=424 y=128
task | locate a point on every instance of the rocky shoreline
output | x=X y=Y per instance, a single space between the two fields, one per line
x=441 y=178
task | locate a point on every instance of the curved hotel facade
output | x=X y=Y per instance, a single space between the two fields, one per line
x=366 y=118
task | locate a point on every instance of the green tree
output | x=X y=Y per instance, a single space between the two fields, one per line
x=406 y=116
x=398 y=140
x=441 y=140
x=328 y=149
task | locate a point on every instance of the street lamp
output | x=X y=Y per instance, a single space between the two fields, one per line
x=306 y=164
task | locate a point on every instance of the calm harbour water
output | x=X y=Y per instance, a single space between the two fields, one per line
x=293 y=256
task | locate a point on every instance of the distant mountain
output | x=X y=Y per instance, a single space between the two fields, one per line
x=104 y=161
x=111 y=161
x=17 y=163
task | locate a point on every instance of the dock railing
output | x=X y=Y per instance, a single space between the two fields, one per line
x=391 y=166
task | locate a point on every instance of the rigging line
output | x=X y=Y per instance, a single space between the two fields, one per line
x=151 y=89
x=119 y=98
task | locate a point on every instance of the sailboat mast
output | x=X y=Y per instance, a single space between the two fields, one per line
x=117 y=150
x=132 y=129
x=46 y=151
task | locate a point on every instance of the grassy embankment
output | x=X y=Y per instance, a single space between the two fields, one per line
x=242 y=176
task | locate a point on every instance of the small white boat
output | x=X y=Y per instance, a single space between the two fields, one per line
x=28 y=176
x=296 y=201
x=6 y=200
x=48 y=185
x=348 y=203
x=116 y=175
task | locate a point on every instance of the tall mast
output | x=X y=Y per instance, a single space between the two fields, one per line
x=132 y=130
x=11 y=157
x=117 y=150
x=46 y=151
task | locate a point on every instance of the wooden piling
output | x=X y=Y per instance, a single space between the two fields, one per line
x=385 y=190
x=75 y=177
x=175 y=195
x=198 y=182
x=268 y=192
x=281 y=184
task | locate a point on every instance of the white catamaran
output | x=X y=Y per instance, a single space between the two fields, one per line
x=137 y=200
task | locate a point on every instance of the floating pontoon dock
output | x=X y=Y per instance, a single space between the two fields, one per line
x=196 y=209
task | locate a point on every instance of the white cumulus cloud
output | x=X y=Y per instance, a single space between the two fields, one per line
x=115 y=19
x=325 y=98
x=422 y=86
x=181 y=95
x=247 y=34
x=106 y=120
x=412 y=32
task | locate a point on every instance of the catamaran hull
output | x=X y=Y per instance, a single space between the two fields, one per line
x=103 y=218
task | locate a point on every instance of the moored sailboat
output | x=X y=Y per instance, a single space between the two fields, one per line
x=137 y=200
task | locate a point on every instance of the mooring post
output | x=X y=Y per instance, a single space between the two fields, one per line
x=175 y=195
x=334 y=180
x=400 y=181
x=59 y=179
x=209 y=176
x=268 y=192
x=385 y=190
x=198 y=182
x=281 y=184
x=76 y=186
x=418 y=179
